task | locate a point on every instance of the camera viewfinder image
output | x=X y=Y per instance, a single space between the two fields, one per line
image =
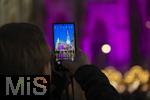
x=64 y=41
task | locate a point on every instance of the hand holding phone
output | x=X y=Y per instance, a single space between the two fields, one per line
x=80 y=60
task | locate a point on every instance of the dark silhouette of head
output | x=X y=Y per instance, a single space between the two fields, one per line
x=23 y=49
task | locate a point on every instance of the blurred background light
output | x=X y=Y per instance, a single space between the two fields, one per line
x=147 y=24
x=106 y=48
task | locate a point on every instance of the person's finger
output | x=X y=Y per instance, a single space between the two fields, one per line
x=66 y=63
x=70 y=66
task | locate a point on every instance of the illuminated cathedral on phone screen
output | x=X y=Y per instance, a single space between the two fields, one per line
x=64 y=43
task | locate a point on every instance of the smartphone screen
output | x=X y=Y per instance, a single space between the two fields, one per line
x=64 y=41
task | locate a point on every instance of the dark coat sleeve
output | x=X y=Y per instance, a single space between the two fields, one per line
x=59 y=83
x=95 y=84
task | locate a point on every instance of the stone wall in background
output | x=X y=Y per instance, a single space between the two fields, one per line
x=15 y=11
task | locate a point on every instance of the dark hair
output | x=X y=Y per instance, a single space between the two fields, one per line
x=23 y=49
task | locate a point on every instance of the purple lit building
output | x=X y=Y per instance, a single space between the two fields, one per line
x=119 y=23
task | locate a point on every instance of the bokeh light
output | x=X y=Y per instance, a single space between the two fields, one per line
x=147 y=24
x=131 y=80
x=106 y=48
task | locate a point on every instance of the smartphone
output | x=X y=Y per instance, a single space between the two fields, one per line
x=64 y=41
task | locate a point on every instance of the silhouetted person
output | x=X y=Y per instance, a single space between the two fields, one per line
x=23 y=51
